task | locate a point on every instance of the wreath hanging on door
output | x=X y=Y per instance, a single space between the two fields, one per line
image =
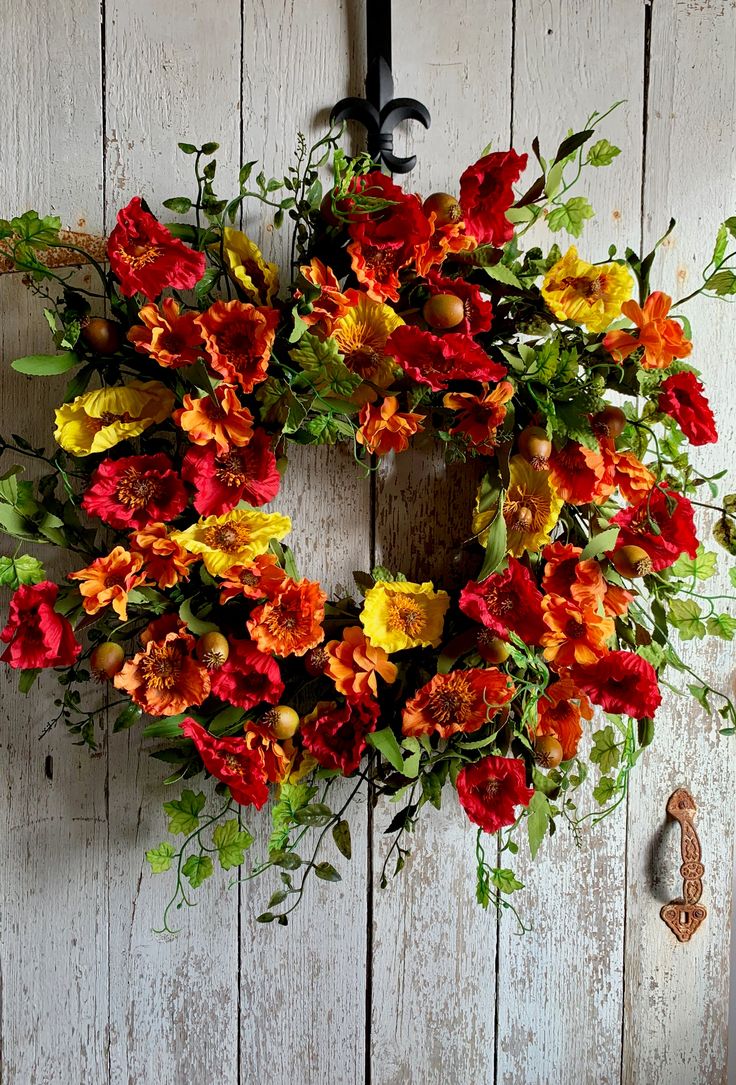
x=405 y=322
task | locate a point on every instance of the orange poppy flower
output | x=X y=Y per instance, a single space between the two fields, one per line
x=353 y=663
x=478 y=417
x=274 y=758
x=458 y=701
x=291 y=622
x=559 y=712
x=108 y=580
x=164 y=679
x=239 y=337
x=582 y=581
x=575 y=633
x=169 y=336
x=446 y=239
x=225 y=422
x=262 y=577
x=662 y=338
x=331 y=303
x=576 y=473
x=631 y=477
x=384 y=428
x=166 y=562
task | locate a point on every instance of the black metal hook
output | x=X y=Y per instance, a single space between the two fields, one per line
x=379 y=112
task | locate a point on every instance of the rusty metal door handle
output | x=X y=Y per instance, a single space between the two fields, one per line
x=683 y=917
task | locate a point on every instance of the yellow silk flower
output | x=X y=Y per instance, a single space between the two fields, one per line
x=100 y=419
x=531 y=509
x=588 y=294
x=233 y=539
x=361 y=335
x=398 y=614
x=258 y=278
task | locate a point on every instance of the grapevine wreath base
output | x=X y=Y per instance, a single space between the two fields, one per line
x=570 y=384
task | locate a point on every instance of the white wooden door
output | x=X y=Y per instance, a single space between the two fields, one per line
x=410 y=985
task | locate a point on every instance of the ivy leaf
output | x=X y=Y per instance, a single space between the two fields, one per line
x=605 y=752
x=571 y=216
x=292 y=799
x=184 y=812
x=602 y=153
x=197 y=868
x=324 y=369
x=685 y=614
x=722 y=283
x=604 y=790
x=231 y=843
x=732 y=575
x=505 y=880
x=600 y=543
x=722 y=625
x=160 y=858
x=502 y=274
x=537 y=821
x=21 y=570
x=701 y=567
x=700 y=693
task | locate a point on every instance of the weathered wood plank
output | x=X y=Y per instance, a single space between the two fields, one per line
x=172 y=73
x=433 y=948
x=677 y=994
x=306 y=984
x=560 y=998
x=53 y=844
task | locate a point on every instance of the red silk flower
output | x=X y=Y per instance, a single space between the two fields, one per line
x=232 y=761
x=35 y=634
x=623 y=683
x=486 y=193
x=335 y=736
x=506 y=602
x=248 y=676
x=491 y=789
x=436 y=360
x=146 y=257
x=675 y=529
x=222 y=479
x=681 y=397
x=134 y=491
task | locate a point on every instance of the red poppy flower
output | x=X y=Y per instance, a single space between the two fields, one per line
x=478 y=417
x=436 y=360
x=145 y=256
x=233 y=762
x=35 y=634
x=486 y=193
x=576 y=472
x=490 y=790
x=222 y=480
x=336 y=736
x=478 y=310
x=623 y=683
x=662 y=524
x=506 y=602
x=247 y=677
x=239 y=337
x=135 y=490
x=681 y=397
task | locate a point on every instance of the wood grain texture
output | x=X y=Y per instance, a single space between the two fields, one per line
x=172 y=74
x=306 y=983
x=53 y=842
x=675 y=1027
x=560 y=987
x=433 y=948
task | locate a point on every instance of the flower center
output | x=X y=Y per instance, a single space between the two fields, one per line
x=136 y=490
x=452 y=703
x=227 y=537
x=236 y=342
x=139 y=255
x=491 y=788
x=498 y=602
x=404 y=614
x=235 y=764
x=230 y=470
x=591 y=289
x=161 y=667
x=574 y=629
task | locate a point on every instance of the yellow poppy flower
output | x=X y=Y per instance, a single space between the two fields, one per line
x=361 y=335
x=100 y=419
x=588 y=294
x=397 y=614
x=258 y=278
x=531 y=509
x=233 y=539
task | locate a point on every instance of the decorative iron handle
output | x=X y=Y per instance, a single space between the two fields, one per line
x=683 y=917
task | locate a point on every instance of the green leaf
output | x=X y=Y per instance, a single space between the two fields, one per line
x=432 y=789
x=324 y=370
x=600 y=543
x=206 y=283
x=700 y=693
x=14 y=524
x=194 y=624
x=571 y=216
x=197 y=868
x=160 y=858
x=187 y=148
x=184 y=812
x=502 y=274
x=722 y=283
x=341 y=836
x=719 y=250
x=27 y=677
x=327 y=872
x=292 y=798
x=496 y=543
x=701 y=567
x=45 y=365
x=505 y=880
x=605 y=752
x=602 y=153
x=722 y=625
x=604 y=790
x=179 y=204
x=571 y=143
x=21 y=570
x=385 y=742
x=537 y=821
x=685 y=615
x=231 y=843
x=127 y=717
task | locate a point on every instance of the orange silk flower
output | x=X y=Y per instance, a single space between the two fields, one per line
x=353 y=663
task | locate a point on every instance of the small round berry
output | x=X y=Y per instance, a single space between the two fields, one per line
x=610 y=422
x=107 y=660
x=548 y=752
x=445 y=207
x=443 y=311
x=283 y=721
x=536 y=447
x=213 y=650
x=631 y=562
x=101 y=335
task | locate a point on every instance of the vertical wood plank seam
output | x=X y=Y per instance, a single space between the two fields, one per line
x=239 y=887
x=648 y=5
x=369 y=857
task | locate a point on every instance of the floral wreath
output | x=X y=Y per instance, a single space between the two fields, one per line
x=403 y=317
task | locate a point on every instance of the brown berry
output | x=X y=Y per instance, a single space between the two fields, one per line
x=492 y=649
x=445 y=207
x=106 y=660
x=282 y=720
x=536 y=447
x=631 y=562
x=444 y=311
x=523 y=519
x=213 y=650
x=100 y=335
x=548 y=752
x=610 y=422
